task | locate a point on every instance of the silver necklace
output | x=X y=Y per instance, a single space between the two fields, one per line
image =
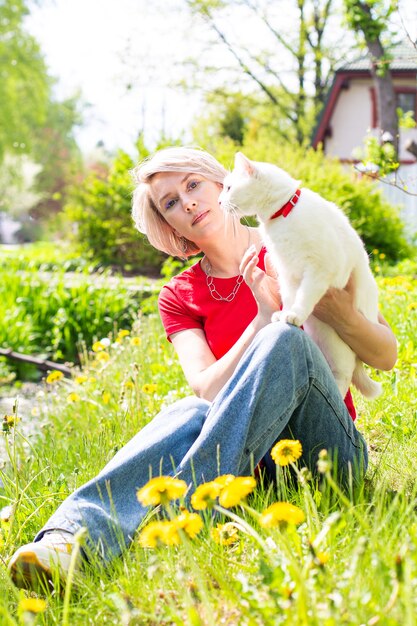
x=212 y=287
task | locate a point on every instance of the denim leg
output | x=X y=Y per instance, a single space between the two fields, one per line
x=282 y=382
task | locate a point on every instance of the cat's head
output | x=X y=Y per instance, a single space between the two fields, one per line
x=255 y=188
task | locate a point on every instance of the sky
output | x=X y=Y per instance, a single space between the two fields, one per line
x=116 y=53
x=126 y=58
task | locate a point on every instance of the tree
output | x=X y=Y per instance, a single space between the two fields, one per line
x=370 y=18
x=24 y=83
x=294 y=96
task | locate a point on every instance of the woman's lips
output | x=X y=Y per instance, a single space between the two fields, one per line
x=199 y=217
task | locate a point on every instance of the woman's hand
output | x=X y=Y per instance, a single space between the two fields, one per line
x=264 y=285
x=337 y=306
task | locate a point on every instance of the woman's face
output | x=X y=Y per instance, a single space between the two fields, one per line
x=189 y=203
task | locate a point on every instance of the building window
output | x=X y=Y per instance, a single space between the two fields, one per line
x=406 y=102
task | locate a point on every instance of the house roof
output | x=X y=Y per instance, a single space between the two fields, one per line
x=404 y=60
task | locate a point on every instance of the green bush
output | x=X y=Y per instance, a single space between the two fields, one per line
x=376 y=220
x=101 y=210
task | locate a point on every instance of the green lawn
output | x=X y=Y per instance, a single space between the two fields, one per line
x=352 y=561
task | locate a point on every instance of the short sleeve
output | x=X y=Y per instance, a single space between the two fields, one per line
x=175 y=316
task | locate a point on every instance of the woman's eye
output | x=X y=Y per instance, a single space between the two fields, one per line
x=170 y=204
x=193 y=184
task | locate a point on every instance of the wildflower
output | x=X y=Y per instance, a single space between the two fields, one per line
x=9 y=422
x=34 y=411
x=149 y=388
x=92 y=379
x=224 y=480
x=225 y=534
x=123 y=333
x=32 y=605
x=105 y=342
x=205 y=495
x=103 y=356
x=73 y=397
x=324 y=464
x=5 y=514
x=135 y=341
x=191 y=523
x=157 y=533
x=79 y=380
x=286 y=451
x=54 y=377
x=236 y=490
x=281 y=514
x=97 y=346
x=161 y=490
x=105 y=397
x=129 y=384
x=412 y=306
x=382 y=255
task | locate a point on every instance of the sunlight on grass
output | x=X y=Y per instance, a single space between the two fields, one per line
x=304 y=554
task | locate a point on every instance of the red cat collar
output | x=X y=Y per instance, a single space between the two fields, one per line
x=288 y=206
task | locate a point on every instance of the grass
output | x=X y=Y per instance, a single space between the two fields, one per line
x=352 y=561
x=52 y=303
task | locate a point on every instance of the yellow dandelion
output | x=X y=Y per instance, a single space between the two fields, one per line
x=32 y=605
x=161 y=490
x=123 y=333
x=286 y=451
x=225 y=534
x=135 y=341
x=54 y=377
x=159 y=533
x=382 y=255
x=205 y=495
x=102 y=356
x=281 y=514
x=73 y=397
x=412 y=306
x=80 y=380
x=105 y=397
x=190 y=523
x=97 y=346
x=129 y=384
x=224 y=480
x=9 y=422
x=149 y=388
x=92 y=379
x=236 y=490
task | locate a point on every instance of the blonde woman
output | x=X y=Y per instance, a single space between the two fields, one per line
x=254 y=382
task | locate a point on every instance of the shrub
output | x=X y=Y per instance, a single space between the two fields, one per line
x=101 y=210
x=376 y=220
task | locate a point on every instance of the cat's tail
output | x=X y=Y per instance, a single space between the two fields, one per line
x=368 y=387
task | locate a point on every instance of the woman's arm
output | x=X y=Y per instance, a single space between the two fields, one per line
x=205 y=374
x=374 y=343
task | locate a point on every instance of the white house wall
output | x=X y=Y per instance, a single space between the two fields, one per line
x=351 y=120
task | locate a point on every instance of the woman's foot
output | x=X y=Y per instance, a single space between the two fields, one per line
x=42 y=564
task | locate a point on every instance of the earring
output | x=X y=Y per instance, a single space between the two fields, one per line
x=184 y=245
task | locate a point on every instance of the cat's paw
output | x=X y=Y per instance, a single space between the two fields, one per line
x=290 y=317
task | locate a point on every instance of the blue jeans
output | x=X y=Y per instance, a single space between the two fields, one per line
x=281 y=388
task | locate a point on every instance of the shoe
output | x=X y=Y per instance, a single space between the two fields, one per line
x=43 y=564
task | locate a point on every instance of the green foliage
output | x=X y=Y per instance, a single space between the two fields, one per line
x=377 y=221
x=49 y=311
x=369 y=17
x=353 y=560
x=101 y=208
x=24 y=84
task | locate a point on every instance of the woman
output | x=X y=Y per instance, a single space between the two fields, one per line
x=254 y=382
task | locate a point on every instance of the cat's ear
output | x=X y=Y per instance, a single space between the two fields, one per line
x=243 y=164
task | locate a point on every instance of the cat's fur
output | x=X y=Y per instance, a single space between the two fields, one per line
x=313 y=248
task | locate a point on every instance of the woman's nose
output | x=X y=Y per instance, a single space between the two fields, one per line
x=190 y=205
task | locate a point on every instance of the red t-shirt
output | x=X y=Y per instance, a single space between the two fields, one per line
x=185 y=302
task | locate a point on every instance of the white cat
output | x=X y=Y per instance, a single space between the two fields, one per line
x=313 y=247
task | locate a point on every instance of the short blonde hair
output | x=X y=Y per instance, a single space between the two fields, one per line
x=145 y=213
